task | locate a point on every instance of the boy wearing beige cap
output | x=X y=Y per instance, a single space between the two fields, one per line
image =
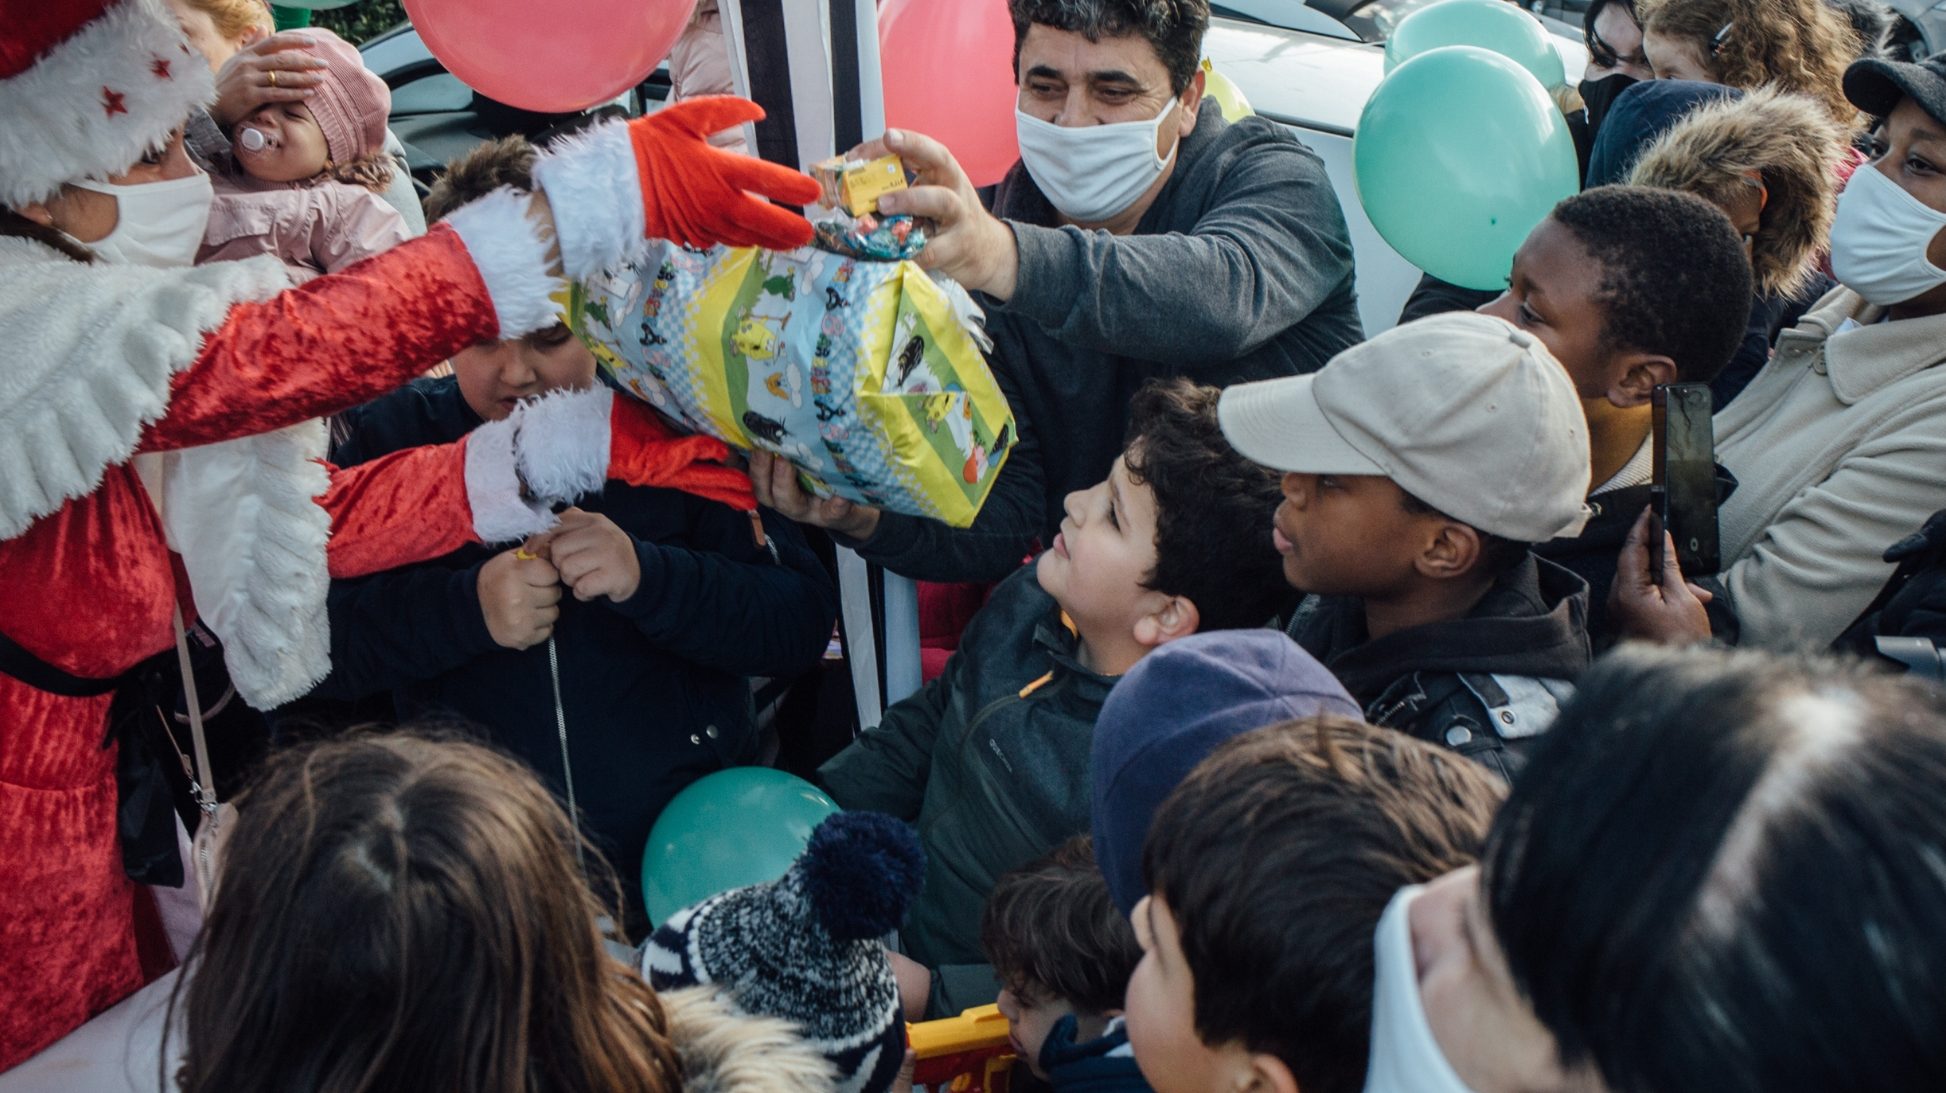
x=1419 y=467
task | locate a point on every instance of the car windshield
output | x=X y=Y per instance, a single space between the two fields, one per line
x=1373 y=20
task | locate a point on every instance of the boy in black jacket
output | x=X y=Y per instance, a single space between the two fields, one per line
x=1629 y=288
x=1418 y=467
x=615 y=656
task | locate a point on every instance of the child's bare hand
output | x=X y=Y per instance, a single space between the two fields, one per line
x=520 y=596
x=595 y=557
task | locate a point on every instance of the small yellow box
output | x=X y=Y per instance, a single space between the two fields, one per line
x=856 y=185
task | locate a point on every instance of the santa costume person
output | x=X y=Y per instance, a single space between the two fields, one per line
x=146 y=406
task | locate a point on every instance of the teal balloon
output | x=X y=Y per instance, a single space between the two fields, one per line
x=1458 y=154
x=737 y=827
x=1493 y=25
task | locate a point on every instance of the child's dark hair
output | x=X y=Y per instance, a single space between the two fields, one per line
x=1050 y=929
x=508 y=161
x=1675 y=280
x=402 y=912
x=373 y=171
x=1276 y=857
x=1213 y=508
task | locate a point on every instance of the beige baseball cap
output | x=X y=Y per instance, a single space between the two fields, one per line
x=1466 y=412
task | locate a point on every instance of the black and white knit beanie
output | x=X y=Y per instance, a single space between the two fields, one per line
x=807 y=947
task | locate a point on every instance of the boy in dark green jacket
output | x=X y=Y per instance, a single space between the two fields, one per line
x=990 y=760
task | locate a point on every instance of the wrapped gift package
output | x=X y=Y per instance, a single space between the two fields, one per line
x=867 y=376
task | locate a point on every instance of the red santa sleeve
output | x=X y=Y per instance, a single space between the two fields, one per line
x=499 y=483
x=347 y=337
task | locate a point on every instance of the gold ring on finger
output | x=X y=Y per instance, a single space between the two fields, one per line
x=273 y=78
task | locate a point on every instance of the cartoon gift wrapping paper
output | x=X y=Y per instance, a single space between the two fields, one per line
x=865 y=375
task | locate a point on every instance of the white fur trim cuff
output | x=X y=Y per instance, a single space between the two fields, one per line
x=500 y=513
x=511 y=254
x=561 y=443
x=591 y=182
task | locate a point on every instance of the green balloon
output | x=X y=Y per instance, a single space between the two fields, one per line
x=1490 y=24
x=736 y=827
x=1458 y=154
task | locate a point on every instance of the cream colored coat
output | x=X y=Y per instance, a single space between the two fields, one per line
x=1839 y=449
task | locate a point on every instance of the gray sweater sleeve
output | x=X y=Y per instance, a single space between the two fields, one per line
x=1270 y=247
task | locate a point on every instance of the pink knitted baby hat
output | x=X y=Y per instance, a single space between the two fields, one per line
x=351 y=104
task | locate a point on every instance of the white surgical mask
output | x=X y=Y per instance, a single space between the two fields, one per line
x=158 y=224
x=1093 y=173
x=1879 y=240
x=1405 y=1057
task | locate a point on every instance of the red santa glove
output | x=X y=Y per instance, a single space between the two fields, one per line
x=659 y=176
x=696 y=193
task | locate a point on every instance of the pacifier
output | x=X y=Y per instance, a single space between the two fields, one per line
x=252 y=140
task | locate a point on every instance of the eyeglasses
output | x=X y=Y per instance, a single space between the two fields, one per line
x=1605 y=55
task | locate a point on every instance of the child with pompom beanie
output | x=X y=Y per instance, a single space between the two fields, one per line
x=808 y=947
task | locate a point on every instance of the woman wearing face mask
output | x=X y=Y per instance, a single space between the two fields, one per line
x=1839 y=443
x=116 y=351
x=1722 y=872
x=1615 y=58
x=1765 y=160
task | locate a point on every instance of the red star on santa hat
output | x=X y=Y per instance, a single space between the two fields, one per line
x=111 y=101
x=160 y=68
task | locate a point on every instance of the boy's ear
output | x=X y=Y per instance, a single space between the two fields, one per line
x=1642 y=373
x=252 y=35
x=1176 y=618
x=1268 y=1074
x=1453 y=552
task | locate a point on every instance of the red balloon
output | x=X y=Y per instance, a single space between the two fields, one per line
x=556 y=58
x=948 y=67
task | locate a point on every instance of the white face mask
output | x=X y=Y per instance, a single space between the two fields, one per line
x=1879 y=240
x=158 y=224
x=1405 y=1057
x=1093 y=173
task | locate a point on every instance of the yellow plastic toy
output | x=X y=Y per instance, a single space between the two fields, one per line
x=971 y=1053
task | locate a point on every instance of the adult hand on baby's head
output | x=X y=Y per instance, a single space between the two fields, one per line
x=520 y=595
x=777 y=489
x=1658 y=607
x=280 y=68
x=595 y=558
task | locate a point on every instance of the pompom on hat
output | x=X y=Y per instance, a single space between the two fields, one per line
x=806 y=947
x=87 y=87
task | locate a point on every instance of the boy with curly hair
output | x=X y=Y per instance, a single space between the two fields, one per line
x=991 y=758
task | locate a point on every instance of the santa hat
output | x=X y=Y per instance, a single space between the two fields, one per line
x=87 y=87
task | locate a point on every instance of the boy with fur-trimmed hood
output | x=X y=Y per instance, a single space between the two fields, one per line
x=1766 y=160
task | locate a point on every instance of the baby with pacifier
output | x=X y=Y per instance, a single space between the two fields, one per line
x=303 y=179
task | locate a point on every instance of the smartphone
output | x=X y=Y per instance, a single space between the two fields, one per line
x=1683 y=491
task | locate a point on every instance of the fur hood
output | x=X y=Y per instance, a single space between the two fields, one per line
x=1796 y=146
x=725 y=1051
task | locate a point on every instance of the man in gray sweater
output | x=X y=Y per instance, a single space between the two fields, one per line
x=1140 y=236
